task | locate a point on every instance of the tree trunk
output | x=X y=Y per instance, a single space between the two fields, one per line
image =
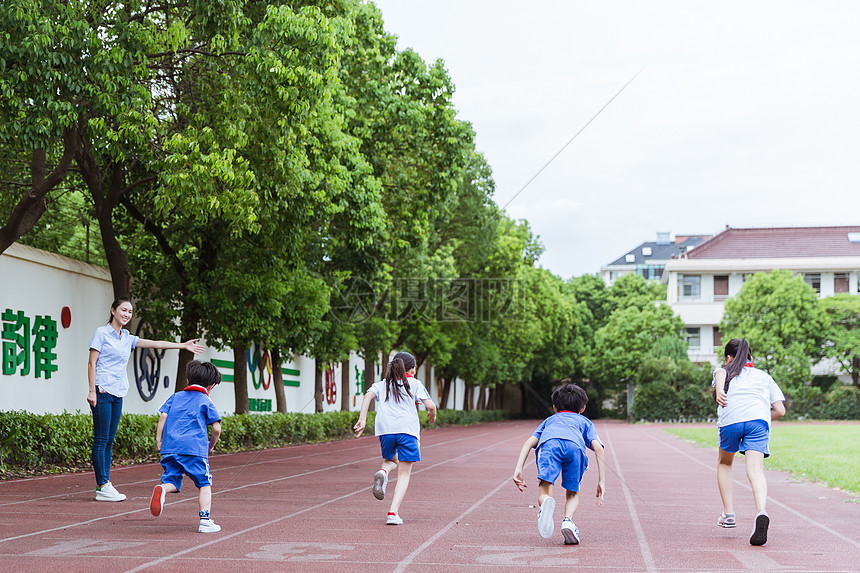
x=278 y=380
x=855 y=371
x=344 y=386
x=467 y=398
x=369 y=372
x=32 y=204
x=446 y=390
x=240 y=378
x=181 y=379
x=105 y=201
x=318 y=385
x=522 y=399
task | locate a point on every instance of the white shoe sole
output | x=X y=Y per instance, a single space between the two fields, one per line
x=570 y=536
x=379 y=485
x=545 y=523
x=209 y=529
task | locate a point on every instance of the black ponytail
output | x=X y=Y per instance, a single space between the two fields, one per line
x=739 y=350
x=395 y=376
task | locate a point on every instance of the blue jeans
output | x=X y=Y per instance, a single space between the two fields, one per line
x=106 y=415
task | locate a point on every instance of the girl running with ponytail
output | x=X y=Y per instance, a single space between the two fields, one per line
x=397 y=426
x=748 y=400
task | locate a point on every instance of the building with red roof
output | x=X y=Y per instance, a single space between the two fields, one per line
x=701 y=280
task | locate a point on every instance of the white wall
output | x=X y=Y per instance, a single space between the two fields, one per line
x=40 y=283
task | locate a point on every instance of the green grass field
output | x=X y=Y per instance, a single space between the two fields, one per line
x=828 y=453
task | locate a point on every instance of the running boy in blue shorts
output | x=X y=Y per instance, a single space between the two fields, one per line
x=561 y=441
x=183 y=442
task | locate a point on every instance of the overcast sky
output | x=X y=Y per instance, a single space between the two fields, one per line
x=744 y=114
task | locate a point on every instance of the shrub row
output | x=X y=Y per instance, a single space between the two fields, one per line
x=41 y=443
x=840 y=403
x=658 y=401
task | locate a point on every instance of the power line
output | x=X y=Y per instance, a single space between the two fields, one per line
x=569 y=141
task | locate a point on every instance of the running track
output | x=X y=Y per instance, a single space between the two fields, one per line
x=309 y=508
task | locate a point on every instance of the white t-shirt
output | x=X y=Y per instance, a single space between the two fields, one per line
x=398 y=417
x=750 y=395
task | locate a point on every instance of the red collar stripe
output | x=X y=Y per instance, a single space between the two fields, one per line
x=196 y=388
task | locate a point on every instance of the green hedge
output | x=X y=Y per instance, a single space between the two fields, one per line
x=658 y=401
x=50 y=443
x=840 y=403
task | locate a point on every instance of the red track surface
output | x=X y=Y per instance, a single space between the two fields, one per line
x=309 y=508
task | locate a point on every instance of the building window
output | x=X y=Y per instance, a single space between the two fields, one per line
x=690 y=286
x=813 y=280
x=718 y=339
x=693 y=337
x=840 y=282
x=721 y=287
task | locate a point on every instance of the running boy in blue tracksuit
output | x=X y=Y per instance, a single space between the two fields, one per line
x=561 y=441
x=183 y=442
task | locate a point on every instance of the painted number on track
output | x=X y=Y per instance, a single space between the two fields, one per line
x=527 y=556
x=300 y=552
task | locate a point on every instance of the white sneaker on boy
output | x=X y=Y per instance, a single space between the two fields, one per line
x=380 y=481
x=156 y=505
x=545 y=524
x=570 y=532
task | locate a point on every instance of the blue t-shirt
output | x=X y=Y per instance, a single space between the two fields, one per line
x=112 y=363
x=188 y=414
x=567 y=426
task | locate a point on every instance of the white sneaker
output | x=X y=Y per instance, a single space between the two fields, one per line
x=156 y=505
x=208 y=526
x=394 y=519
x=570 y=532
x=545 y=524
x=109 y=493
x=380 y=481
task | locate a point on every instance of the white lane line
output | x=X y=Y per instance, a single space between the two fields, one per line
x=220 y=492
x=411 y=557
x=647 y=557
x=769 y=498
x=214 y=471
x=301 y=511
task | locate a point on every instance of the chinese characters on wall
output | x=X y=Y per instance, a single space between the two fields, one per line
x=28 y=345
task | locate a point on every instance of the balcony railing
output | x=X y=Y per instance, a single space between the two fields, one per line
x=703 y=299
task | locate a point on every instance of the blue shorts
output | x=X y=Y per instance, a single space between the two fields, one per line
x=742 y=436
x=563 y=457
x=195 y=467
x=404 y=446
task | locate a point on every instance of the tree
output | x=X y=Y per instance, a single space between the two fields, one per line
x=97 y=86
x=780 y=316
x=842 y=340
x=634 y=290
x=628 y=339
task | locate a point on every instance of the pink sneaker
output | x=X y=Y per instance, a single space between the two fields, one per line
x=727 y=520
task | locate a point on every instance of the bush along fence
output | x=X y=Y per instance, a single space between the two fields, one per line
x=660 y=402
x=53 y=443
